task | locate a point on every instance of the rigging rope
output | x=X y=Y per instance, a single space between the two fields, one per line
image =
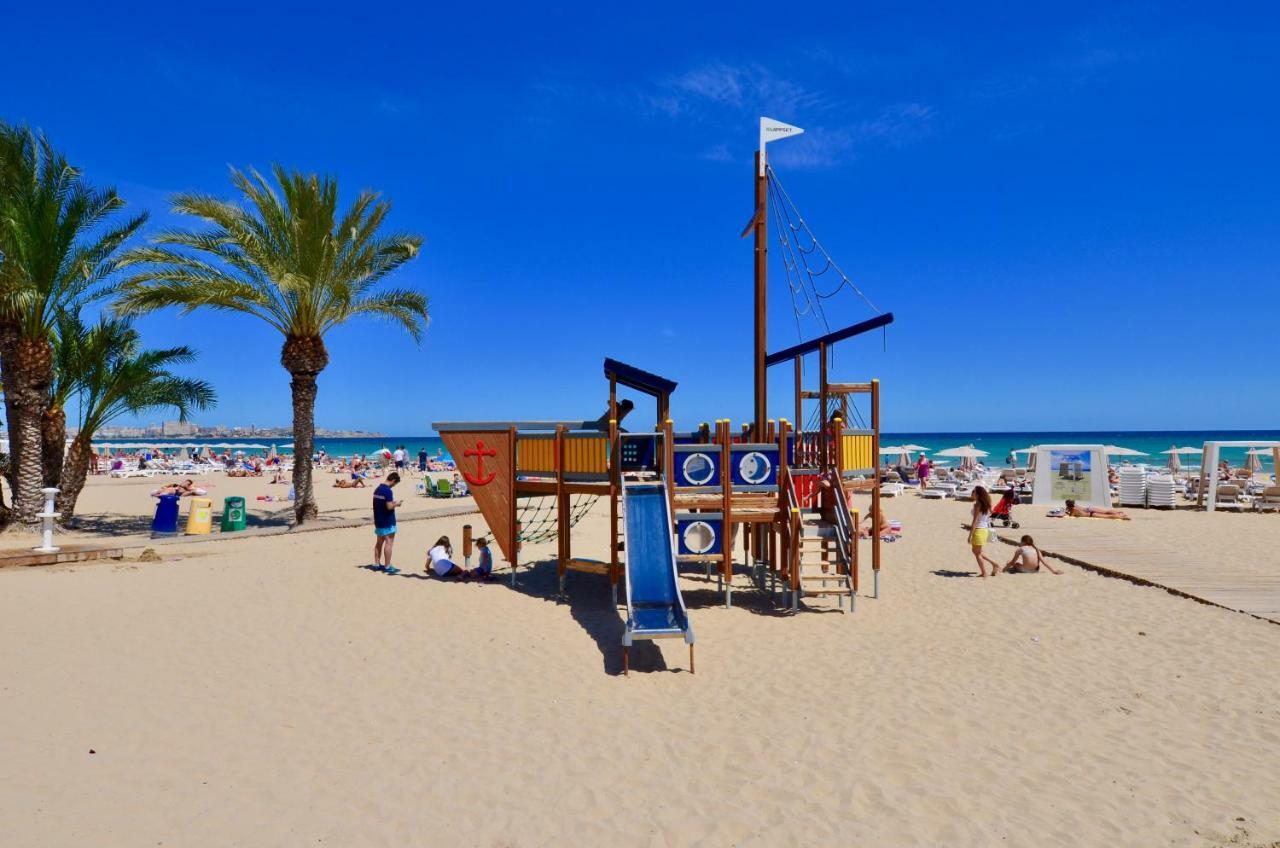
x=799 y=225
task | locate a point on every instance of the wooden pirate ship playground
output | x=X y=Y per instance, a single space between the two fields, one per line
x=779 y=491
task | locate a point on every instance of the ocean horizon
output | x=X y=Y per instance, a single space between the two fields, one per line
x=998 y=444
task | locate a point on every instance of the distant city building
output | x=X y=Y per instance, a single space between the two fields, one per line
x=179 y=428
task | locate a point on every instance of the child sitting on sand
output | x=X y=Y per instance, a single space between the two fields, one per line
x=485 y=567
x=439 y=559
x=1027 y=559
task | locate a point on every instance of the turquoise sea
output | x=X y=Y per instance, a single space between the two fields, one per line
x=998 y=445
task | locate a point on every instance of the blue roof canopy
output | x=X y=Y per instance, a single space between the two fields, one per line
x=635 y=378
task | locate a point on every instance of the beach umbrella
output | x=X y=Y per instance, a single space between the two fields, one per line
x=890 y=450
x=964 y=452
x=1116 y=450
x=967 y=454
x=1251 y=460
x=915 y=448
x=1175 y=465
x=184 y=455
x=272 y=454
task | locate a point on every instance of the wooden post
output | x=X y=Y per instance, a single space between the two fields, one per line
x=668 y=464
x=784 y=481
x=823 y=459
x=761 y=295
x=799 y=422
x=726 y=502
x=875 y=489
x=563 y=542
x=615 y=491
x=514 y=528
x=466 y=545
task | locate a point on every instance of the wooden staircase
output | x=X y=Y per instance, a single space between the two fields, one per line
x=823 y=566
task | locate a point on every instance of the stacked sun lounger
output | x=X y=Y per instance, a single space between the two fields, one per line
x=1160 y=491
x=1133 y=486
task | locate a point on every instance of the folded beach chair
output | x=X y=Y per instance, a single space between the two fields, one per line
x=443 y=489
x=1160 y=491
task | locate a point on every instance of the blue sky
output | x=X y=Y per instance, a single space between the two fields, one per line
x=1070 y=210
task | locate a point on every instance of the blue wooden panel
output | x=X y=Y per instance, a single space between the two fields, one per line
x=754 y=465
x=699 y=535
x=696 y=467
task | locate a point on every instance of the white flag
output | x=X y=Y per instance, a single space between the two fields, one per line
x=771 y=130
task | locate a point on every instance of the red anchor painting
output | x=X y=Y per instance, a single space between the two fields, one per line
x=479 y=452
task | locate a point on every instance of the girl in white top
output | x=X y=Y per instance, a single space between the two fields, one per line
x=438 y=559
x=1027 y=559
x=981 y=531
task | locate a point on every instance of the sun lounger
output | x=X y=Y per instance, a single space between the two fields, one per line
x=891 y=490
x=1229 y=496
x=443 y=489
x=1269 y=499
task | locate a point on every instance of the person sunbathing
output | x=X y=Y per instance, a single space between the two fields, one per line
x=1027 y=559
x=183 y=489
x=1095 y=512
x=357 y=483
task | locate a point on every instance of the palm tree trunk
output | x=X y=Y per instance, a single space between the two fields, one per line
x=304 y=357
x=74 y=473
x=304 y=437
x=33 y=372
x=8 y=377
x=53 y=447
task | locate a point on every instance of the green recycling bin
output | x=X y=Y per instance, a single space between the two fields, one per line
x=233 y=514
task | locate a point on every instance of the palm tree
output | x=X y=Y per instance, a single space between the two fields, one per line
x=53 y=422
x=60 y=245
x=287 y=257
x=113 y=375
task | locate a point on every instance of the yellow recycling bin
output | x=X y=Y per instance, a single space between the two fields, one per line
x=200 y=520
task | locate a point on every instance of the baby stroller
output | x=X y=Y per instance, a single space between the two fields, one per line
x=1003 y=511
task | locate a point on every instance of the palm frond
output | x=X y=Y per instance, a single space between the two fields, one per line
x=284 y=251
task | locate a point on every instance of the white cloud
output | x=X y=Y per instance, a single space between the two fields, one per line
x=717 y=153
x=751 y=88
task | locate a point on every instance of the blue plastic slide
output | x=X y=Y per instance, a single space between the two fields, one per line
x=655 y=608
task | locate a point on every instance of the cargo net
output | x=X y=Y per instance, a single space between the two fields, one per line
x=536 y=520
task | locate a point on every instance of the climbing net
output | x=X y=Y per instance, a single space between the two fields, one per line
x=537 y=519
x=854 y=419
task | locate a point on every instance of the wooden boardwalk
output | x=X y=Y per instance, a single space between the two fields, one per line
x=66 y=553
x=1086 y=544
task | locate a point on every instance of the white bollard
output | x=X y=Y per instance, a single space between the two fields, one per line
x=49 y=516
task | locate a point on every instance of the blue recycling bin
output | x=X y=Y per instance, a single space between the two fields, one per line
x=166 y=521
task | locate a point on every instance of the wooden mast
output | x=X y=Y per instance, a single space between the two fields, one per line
x=761 y=296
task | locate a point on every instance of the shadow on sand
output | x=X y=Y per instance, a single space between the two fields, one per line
x=589 y=601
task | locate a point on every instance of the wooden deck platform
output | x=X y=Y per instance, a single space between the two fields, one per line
x=66 y=553
x=1088 y=545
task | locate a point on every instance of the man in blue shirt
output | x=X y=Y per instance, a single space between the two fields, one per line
x=384 y=523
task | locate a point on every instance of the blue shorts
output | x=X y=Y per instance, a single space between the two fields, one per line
x=385 y=531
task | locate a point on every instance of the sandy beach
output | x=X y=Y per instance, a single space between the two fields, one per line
x=276 y=691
